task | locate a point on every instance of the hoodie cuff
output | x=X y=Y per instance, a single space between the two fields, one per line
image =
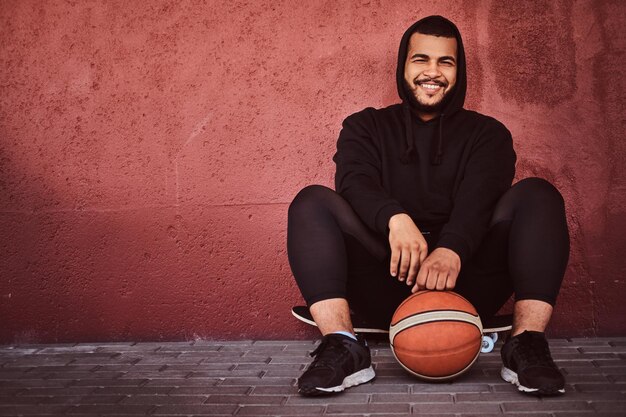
x=383 y=216
x=455 y=243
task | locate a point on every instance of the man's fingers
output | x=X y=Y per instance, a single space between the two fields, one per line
x=395 y=259
x=416 y=262
x=405 y=262
x=442 y=282
x=422 y=275
x=451 y=282
x=433 y=277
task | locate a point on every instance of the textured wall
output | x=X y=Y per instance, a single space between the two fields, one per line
x=148 y=152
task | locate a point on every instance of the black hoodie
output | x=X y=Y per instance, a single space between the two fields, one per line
x=447 y=173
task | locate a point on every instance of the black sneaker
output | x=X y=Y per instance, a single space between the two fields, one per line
x=340 y=362
x=528 y=364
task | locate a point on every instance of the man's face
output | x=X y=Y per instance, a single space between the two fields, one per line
x=430 y=71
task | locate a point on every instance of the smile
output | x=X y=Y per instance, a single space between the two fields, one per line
x=431 y=87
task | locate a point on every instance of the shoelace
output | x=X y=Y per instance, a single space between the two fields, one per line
x=329 y=352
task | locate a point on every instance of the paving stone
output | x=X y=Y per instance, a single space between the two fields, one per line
x=35 y=383
x=226 y=342
x=494 y=397
x=10 y=392
x=127 y=348
x=602 y=349
x=243 y=399
x=246 y=359
x=29 y=410
x=612 y=406
x=83 y=375
x=368 y=408
x=104 y=344
x=583 y=414
x=165 y=399
x=208 y=366
x=155 y=374
x=30 y=361
x=109 y=410
x=412 y=398
x=24 y=400
x=129 y=367
x=271 y=366
x=271 y=410
x=615 y=363
x=107 y=382
x=239 y=390
x=225 y=374
x=600 y=387
x=11 y=350
x=289 y=360
x=584 y=356
x=507 y=414
x=190 y=348
x=592 y=341
x=465 y=408
x=343 y=398
x=546 y=405
x=114 y=359
x=295 y=343
x=257 y=381
x=90 y=399
x=201 y=409
x=450 y=388
x=120 y=390
x=173 y=382
x=70 y=349
x=591 y=378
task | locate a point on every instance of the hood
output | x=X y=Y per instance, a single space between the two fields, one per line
x=452 y=103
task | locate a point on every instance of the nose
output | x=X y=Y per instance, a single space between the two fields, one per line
x=432 y=70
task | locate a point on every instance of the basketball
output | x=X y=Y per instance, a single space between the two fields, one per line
x=436 y=335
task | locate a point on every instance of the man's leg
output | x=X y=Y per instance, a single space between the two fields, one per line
x=538 y=254
x=531 y=315
x=332 y=316
x=319 y=221
x=525 y=252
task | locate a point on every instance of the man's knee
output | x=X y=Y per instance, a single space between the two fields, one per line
x=540 y=190
x=308 y=198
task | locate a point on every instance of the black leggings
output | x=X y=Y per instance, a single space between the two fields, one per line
x=334 y=255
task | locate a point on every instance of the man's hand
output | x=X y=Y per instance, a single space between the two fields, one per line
x=408 y=247
x=439 y=271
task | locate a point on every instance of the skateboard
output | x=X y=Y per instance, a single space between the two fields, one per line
x=491 y=327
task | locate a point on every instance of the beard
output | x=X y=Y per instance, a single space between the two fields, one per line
x=427 y=107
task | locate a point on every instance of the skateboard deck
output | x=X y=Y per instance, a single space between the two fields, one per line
x=491 y=327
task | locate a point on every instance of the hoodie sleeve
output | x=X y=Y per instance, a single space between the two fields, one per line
x=488 y=175
x=358 y=176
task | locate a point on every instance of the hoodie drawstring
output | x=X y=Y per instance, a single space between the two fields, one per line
x=439 y=155
x=436 y=157
x=408 y=130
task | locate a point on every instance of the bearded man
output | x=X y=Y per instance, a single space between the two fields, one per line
x=424 y=200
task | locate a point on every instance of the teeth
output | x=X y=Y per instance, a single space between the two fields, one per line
x=430 y=86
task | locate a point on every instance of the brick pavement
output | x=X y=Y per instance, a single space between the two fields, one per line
x=257 y=378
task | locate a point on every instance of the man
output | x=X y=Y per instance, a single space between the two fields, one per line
x=424 y=201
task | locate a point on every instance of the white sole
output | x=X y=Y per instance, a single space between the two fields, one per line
x=510 y=376
x=357 y=378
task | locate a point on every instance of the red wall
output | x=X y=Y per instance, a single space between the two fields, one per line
x=148 y=152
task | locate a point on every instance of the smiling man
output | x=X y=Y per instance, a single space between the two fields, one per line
x=424 y=200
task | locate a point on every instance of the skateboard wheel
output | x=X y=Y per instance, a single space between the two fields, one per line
x=494 y=337
x=487 y=345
